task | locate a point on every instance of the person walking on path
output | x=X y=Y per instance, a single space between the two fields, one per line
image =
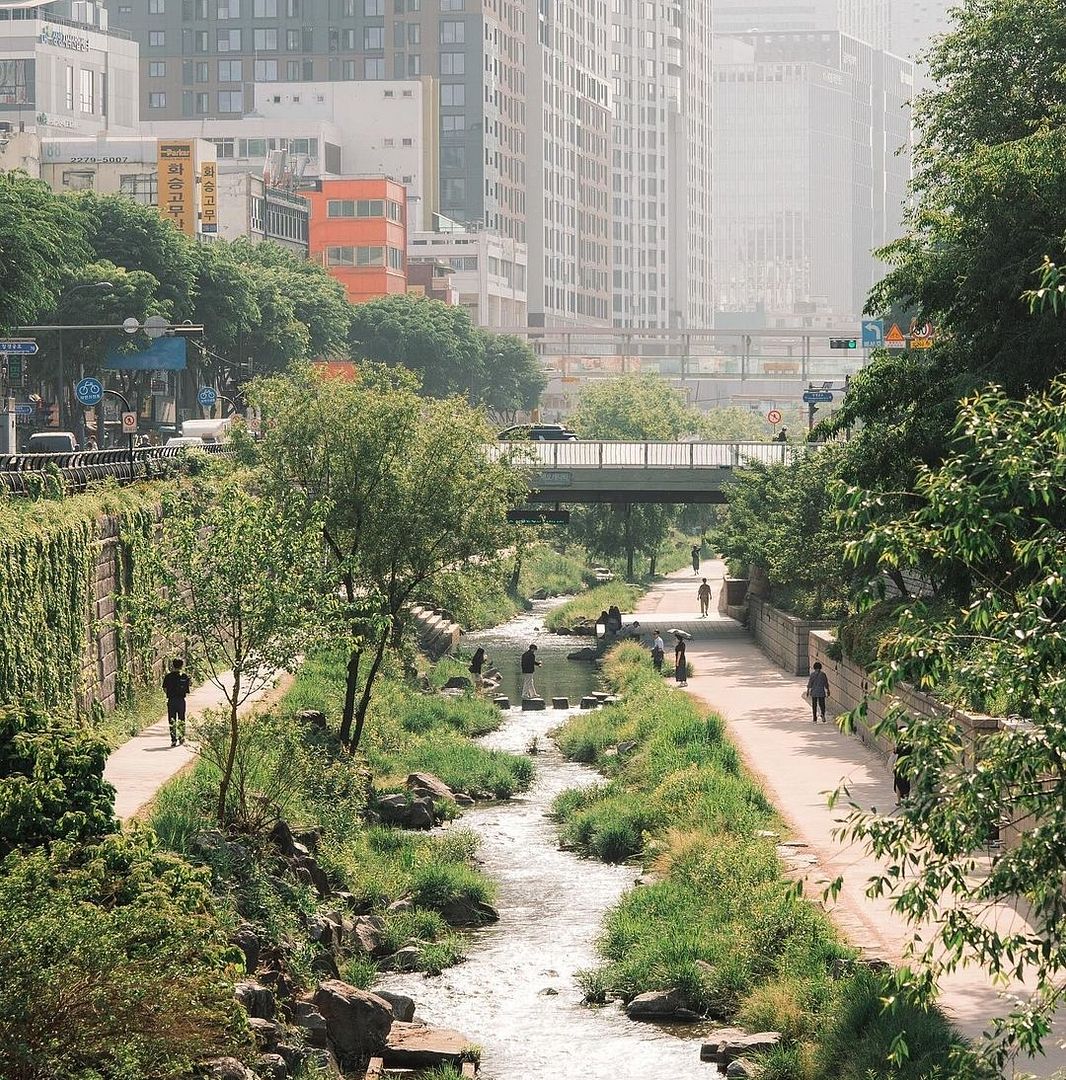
x=704 y=594
x=530 y=663
x=658 y=651
x=680 y=662
x=901 y=781
x=176 y=686
x=695 y=558
x=817 y=691
x=477 y=665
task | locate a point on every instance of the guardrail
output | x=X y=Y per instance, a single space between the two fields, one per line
x=21 y=474
x=650 y=455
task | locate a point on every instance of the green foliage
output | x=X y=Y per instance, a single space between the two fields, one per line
x=586 y=606
x=987 y=530
x=114 y=966
x=51 y=781
x=514 y=377
x=780 y=518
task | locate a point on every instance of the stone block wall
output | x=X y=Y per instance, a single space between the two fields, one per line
x=438 y=634
x=784 y=638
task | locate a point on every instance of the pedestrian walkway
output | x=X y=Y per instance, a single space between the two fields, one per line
x=140 y=767
x=798 y=763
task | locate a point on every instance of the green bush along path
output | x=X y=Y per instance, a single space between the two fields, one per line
x=798 y=763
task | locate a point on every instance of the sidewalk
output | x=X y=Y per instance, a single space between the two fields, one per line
x=140 y=767
x=798 y=763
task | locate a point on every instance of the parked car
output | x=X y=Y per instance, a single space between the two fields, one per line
x=52 y=442
x=539 y=433
x=184 y=440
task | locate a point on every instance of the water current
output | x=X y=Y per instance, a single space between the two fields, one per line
x=551 y=907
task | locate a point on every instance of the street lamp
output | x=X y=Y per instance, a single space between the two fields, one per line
x=64 y=397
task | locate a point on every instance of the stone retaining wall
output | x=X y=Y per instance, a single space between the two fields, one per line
x=784 y=638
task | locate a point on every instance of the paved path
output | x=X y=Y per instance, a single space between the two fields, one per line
x=140 y=767
x=798 y=763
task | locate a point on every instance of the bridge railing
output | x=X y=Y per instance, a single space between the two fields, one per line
x=651 y=455
x=22 y=473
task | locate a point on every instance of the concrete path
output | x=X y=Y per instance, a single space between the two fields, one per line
x=140 y=767
x=798 y=763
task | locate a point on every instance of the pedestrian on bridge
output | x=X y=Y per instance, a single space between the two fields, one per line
x=530 y=663
x=695 y=558
x=704 y=594
x=176 y=686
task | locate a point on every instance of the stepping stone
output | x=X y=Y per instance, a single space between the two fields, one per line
x=560 y=703
x=590 y=703
x=600 y=695
x=502 y=702
x=533 y=704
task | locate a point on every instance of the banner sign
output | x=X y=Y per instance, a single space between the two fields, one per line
x=209 y=197
x=177 y=183
x=164 y=354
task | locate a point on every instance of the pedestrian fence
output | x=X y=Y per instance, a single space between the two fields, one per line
x=647 y=455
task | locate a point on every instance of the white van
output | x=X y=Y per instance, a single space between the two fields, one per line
x=209 y=431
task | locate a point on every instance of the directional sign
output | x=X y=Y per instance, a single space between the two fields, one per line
x=21 y=346
x=25 y=408
x=894 y=339
x=774 y=416
x=89 y=391
x=539 y=517
x=873 y=333
x=207 y=396
x=129 y=423
x=813 y=396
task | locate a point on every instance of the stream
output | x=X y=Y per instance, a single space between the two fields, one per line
x=551 y=907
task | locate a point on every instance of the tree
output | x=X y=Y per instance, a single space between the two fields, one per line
x=734 y=424
x=239 y=580
x=408 y=494
x=635 y=408
x=227 y=299
x=987 y=527
x=42 y=238
x=436 y=341
x=514 y=377
x=52 y=783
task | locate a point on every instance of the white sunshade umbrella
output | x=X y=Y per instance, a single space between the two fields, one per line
x=679 y=633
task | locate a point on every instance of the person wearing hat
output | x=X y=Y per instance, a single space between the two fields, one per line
x=530 y=663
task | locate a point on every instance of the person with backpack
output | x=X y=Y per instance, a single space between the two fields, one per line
x=176 y=686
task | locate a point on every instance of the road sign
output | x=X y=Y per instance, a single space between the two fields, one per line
x=922 y=335
x=16 y=368
x=207 y=396
x=539 y=517
x=813 y=396
x=25 y=408
x=894 y=339
x=873 y=333
x=18 y=346
x=155 y=326
x=774 y=416
x=843 y=343
x=89 y=391
x=129 y=423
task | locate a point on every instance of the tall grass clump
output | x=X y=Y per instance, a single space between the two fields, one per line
x=720 y=922
x=586 y=606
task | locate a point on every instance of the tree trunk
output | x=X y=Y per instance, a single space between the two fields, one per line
x=630 y=553
x=896 y=577
x=652 y=562
x=351 y=688
x=364 y=701
x=516 y=573
x=231 y=755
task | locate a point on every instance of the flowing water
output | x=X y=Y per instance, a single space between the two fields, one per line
x=551 y=907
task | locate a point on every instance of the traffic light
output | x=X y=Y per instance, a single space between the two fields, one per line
x=843 y=343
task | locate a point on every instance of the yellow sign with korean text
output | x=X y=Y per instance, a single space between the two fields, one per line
x=209 y=197
x=176 y=160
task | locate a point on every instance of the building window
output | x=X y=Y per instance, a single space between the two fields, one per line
x=453 y=95
x=292 y=40
x=452 y=32
x=229 y=9
x=292 y=70
x=157 y=69
x=264 y=9
x=157 y=100
x=395 y=256
x=347 y=9
x=414 y=34
x=157 y=39
x=303 y=146
x=348 y=70
x=230 y=71
x=453 y=157
x=202 y=103
x=292 y=9
x=414 y=67
x=453 y=63
x=142 y=188
x=265 y=40
x=203 y=71
x=373 y=7
x=199 y=40
x=374 y=67
x=228 y=40
x=348 y=40
x=88 y=92
x=453 y=122
x=156 y=7
x=451 y=5
x=373 y=37
x=223 y=148
x=230 y=101
x=266 y=71
x=453 y=192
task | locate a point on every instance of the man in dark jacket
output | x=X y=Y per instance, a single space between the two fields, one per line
x=817 y=691
x=176 y=687
x=530 y=663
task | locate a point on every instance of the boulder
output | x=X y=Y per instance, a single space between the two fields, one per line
x=462 y=911
x=271 y=1067
x=323 y=930
x=582 y=654
x=369 y=934
x=627 y=747
x=323 y=1064
x=357 y=1022
x=257 y=999
x=403 y=1007
x=308 y=871
x=590 y=703
x=281 y=837
x=404 y=903
x=307 y=1017
x=265 y=1032
x=324 y=965
x=462 y=799
x=654 y=1005
x=405 y=959
x=410 y=813
x=459 y=682
x=729 y=1044
x=247 y=940
x=278 y=980
x=308 y=837
x=413 y=1046
x=226 y=1068
x=421 y=814
x=423 y=784
x=312 y=718
x=502 y=702
x=744 y=1069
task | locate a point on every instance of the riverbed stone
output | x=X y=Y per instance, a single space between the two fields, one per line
x=410 y=813
x=306 y=1016
x=226 y=1068
x=258 y=1000
x=265 y=1032
x=582 y=654
x=727 y=1045
x=502 y=702
x=423 y=784
x=414 y=1046
x=459 y=682
x=462 y=799
x=357 y=1021
x=405 y=959
x=403 y=1007
x=368 y=932
x=462 y=911
x=654 y=1005
x=271 y=1067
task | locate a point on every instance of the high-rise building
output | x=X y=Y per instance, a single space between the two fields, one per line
x=868 y=20
x=661 y=183
x=915 y=26
x=569 y=162
x=808 y=175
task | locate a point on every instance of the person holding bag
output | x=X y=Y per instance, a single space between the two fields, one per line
x=817 y=691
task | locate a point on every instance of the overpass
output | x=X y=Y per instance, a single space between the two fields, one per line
x=640 y=472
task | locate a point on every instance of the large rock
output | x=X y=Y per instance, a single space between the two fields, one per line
x=308 y=871
x=306 y=1015
x=265 y=1032
x=312 y=718
x=247 y=940
x=462 y=911
x=583 y=654
x=403 y=1007
x=405 y=959
x=414 y=1046
x=226 y=1068
x=744 y=1069
x=459 y=682
x=271 y=1067
x=258 y=1000
x=729 y=1044
x=654 y=1005
x=426 y=784
x=281 y=837
x=323 y=930
x=357 y=1022
x=415 y=813
x=369 y=934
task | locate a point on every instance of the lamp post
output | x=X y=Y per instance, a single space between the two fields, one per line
x=64 y=397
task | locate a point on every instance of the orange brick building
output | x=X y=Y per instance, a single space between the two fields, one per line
x=358 y=231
